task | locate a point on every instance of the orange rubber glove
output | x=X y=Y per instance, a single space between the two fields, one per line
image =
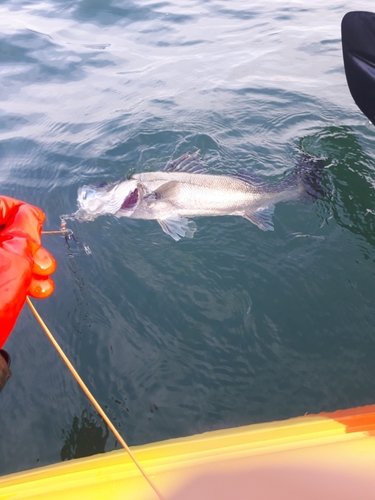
x=25 y=265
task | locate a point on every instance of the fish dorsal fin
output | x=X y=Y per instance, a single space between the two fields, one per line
x=186 y=163
x=178 y=227
x=248 y=177
x=261 y=217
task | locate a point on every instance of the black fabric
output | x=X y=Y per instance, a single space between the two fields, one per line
x=5 y=372
x=358 y=45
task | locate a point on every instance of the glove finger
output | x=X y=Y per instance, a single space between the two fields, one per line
x=25 y=221
x=44 y=262
x=40 y=288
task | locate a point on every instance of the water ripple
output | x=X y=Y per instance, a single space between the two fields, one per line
x=236 y=325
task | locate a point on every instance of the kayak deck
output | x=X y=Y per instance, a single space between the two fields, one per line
x=239 y=461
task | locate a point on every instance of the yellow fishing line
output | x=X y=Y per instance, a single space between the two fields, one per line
x=58 y=231
x=91 y=397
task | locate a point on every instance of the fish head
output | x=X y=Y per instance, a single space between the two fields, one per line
x=91 y=201
x=94 y=201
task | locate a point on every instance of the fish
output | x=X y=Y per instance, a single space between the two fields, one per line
x=184 y=189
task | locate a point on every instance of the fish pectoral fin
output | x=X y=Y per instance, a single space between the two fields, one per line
x=178 y=227
x=261 y=217
x=167 y=190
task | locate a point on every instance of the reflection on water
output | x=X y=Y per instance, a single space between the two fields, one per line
x=350 y=180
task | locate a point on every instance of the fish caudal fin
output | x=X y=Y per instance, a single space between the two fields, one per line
x=309 y=172
x=307 y=177
x=178 y=227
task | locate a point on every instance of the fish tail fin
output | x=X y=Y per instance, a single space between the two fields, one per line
x=308 y=172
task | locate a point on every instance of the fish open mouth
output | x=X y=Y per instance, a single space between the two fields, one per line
x=130 y=201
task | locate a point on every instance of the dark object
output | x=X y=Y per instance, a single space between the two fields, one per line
x=358 y=46
x=86 y=437
x=5 y=372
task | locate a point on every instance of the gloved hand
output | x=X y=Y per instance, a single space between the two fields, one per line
x=25 y=265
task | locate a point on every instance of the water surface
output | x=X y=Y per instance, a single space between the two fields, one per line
x=235 y=326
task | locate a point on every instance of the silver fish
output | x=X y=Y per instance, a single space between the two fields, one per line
x=184 y=189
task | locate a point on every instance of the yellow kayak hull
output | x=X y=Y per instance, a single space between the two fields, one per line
x=328 y=455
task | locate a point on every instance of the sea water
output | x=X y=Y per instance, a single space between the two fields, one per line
x=236 y=325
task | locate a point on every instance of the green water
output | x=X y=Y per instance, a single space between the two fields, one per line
x=235 y=326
